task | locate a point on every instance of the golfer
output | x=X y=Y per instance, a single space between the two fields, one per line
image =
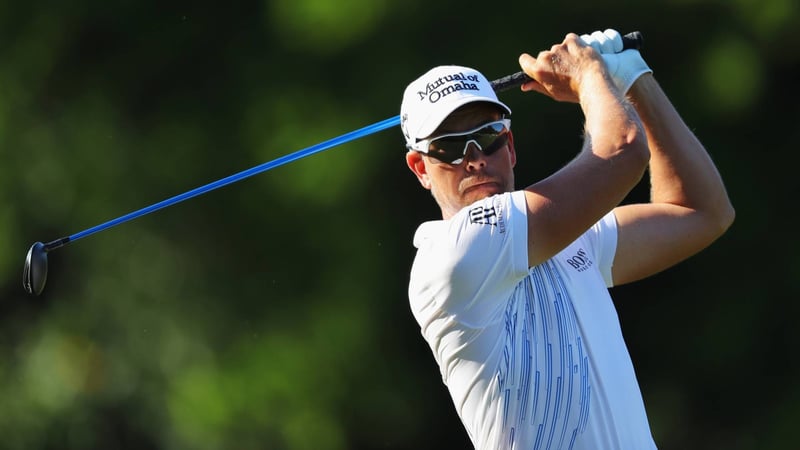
x=510 y=288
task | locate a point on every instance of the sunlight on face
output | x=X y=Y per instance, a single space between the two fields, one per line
x=478 y=176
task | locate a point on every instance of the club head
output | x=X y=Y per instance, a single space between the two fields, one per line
x=34 y=274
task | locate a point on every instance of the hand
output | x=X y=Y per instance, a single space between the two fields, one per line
x=560 y=72
x=625 y=66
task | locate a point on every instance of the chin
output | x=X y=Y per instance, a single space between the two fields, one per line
x=482 y=191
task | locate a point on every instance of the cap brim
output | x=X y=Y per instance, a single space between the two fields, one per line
x=437 y=116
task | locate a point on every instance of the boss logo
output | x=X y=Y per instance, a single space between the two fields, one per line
x=580 y=261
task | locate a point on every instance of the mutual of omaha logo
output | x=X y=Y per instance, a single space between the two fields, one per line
x=448 y=84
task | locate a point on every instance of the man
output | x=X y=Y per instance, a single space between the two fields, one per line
x=511 y=288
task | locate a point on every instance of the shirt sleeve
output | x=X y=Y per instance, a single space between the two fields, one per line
x=470 y=264
x=603 y=239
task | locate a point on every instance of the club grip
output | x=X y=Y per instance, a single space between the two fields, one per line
x=632 y=40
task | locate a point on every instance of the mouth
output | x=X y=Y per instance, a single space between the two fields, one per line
x=481 y=185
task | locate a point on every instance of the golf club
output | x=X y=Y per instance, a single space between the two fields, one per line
x=34 y=274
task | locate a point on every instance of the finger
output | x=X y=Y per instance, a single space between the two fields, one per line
x=615 y=40
x=591 y=41
x=527 y=63
x=603 y=42
x=534 y=86
x=545 y=64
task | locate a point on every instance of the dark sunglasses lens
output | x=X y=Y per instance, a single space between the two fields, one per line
x=493 y=143
x=492 y=128
x=450 y=149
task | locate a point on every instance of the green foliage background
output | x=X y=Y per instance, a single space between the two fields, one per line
x=272 y=313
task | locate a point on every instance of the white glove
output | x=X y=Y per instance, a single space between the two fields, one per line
x=625 y=66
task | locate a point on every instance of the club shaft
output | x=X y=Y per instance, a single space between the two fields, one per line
x=347 y=137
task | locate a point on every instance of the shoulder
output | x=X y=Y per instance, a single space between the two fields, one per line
x=490 y=216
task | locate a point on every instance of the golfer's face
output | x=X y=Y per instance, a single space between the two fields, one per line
x=478 y=176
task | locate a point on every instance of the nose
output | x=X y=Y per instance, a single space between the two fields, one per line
x=474 y=157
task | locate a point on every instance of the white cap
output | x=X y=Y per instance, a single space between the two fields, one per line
x=429 y=99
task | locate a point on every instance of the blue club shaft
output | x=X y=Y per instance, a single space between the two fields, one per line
x=277 y=162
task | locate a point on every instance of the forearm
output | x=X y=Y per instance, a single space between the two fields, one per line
x=681 y=171
x=611 y=124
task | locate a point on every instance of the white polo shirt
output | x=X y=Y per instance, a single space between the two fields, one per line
x=533 y=358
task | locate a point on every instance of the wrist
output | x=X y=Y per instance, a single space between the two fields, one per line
x=594 y=77
x=643 y=84
x=596 y=88
x=626 y=67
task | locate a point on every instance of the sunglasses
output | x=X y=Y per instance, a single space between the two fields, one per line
x=451 y=148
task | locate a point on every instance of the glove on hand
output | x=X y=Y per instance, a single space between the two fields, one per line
x=625 y=66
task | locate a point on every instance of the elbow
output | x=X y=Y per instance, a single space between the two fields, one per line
x=639 y=141
x=719 y=219
x=631 y=158
x=726 y=217
x=634 y=140
x=636 y=147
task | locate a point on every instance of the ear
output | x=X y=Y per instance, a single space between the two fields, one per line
x=511 y=150
x=416 y=162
